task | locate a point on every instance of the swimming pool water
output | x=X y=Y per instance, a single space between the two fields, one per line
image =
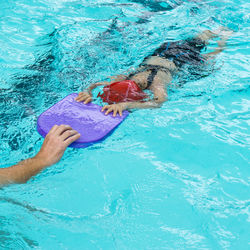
x=170 y=178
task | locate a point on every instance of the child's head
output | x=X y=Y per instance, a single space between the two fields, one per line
x=123 y=91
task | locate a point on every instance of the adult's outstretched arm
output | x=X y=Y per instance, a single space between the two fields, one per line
x=54 y=145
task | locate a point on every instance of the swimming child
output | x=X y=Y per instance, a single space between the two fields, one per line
x=155 y=74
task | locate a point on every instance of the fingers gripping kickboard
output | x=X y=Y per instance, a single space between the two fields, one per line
x=87 y=119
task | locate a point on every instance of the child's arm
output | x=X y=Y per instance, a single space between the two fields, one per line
x=118 y=78
x=160 y=96
x=112 y=80
x=94 y=85
x=86 y=96
x=221 y=46
x=222 y=32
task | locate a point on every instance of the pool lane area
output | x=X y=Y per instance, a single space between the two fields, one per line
x=176 y=177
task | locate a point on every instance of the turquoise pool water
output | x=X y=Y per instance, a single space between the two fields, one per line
x=170 y=178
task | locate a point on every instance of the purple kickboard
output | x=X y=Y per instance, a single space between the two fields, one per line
x=87 y=119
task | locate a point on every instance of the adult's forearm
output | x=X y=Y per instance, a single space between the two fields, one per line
x=54 y=145
x=21 y=172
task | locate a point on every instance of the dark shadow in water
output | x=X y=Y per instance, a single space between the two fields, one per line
x=37 y=77
x=27 y=85
x=10 y=239
x=156 y=6
x=23 y=99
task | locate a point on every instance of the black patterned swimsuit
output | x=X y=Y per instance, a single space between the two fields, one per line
x=180 y=53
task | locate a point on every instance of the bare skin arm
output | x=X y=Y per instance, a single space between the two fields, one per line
x=221 y=46
x=54 y=145
x=221 y=32
x=160 y=96
x=94 y=85
x=86 y=96
x=119 y=107
x=118 y=78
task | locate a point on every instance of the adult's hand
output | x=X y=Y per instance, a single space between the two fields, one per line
x=55 y=143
